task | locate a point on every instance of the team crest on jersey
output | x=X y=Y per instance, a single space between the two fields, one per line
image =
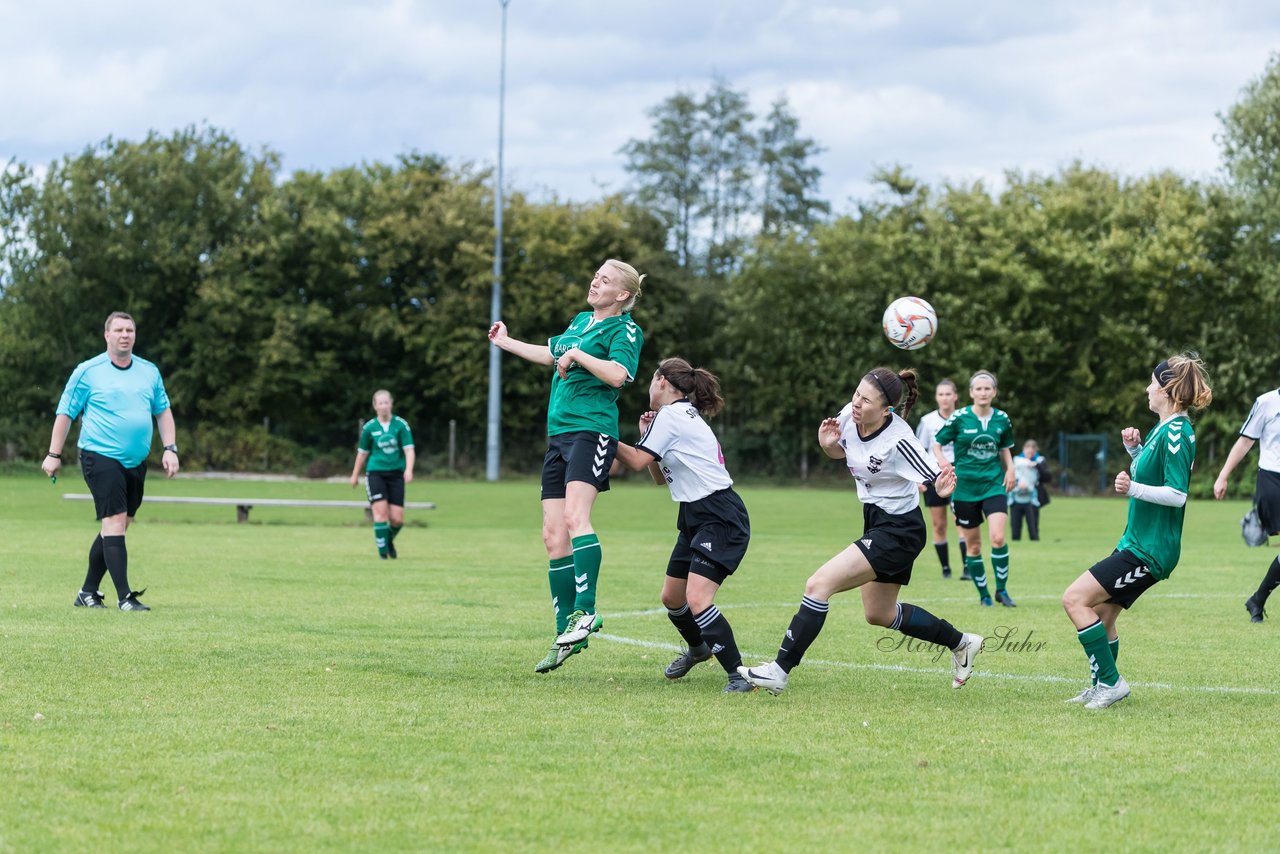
x=874 y=464
x=983 y=448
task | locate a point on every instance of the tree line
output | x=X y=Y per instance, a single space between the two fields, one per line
x=275 y=305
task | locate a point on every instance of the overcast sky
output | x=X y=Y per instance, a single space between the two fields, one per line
x=952 y=90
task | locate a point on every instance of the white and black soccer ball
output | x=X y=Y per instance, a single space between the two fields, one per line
x=910 y=323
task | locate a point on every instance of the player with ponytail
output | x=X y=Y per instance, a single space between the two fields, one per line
x=1147 y=553
x=888 y=464
x=680 y=450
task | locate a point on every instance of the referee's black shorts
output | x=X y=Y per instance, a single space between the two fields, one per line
x=115 y=489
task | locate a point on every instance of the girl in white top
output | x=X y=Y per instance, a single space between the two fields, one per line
x=1263 y=428
x=680 y=450
x=887 y=463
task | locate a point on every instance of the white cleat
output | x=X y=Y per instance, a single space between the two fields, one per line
x=1108 y=695
x=768 y=676
x=1084 y=696
x=962 y=658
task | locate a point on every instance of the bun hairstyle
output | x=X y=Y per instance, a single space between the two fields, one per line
x=1185 y=380
x=900 y=390
x=698 y=384
x=629 y=279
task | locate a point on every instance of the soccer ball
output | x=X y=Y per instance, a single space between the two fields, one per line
x=910 y=323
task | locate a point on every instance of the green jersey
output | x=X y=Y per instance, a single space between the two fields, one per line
x=1154 y=531
x=978 y=443
x=385 y=444
x=581 y=401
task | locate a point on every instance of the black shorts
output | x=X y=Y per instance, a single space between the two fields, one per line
x=1267 y=497
x=115 y=488
x=932 y=498
x=969 y=514
x=1125 y=576
x=891 y=543
x=713 y=538
x=582 y=456
x=385 y=486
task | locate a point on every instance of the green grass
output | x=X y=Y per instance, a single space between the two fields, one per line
x=291 y=692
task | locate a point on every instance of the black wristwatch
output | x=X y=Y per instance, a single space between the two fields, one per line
x=173 y=448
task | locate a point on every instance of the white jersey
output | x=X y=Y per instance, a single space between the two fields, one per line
x=690 y=455
x=887 y=465
x=928 y=428
x=1263 y=426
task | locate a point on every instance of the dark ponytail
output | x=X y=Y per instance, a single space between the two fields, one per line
x=700 y=385
x=900 y=390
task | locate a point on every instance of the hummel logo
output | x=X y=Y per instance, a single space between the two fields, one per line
x=598 y=470
x=1173 y=449
x=971 y=431
x=580 y=588
x=1130 y=577
x=706 y=546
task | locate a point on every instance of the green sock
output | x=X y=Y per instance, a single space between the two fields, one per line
x=1000 y=563
x=978 y=572
x=1114 y=646
x=560 y=574
x=586 y=571
x=1101 y=663
x=380 y=534
x=395 y=529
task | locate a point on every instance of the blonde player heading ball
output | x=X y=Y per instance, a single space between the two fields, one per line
x=887 y=462
x=680 y=450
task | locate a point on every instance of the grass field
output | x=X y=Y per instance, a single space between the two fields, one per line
x=291 y=692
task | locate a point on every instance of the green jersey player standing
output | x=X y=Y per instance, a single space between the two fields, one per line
x=1148 y=552
x=386 y=443
x=982 y=437
x=593 y=358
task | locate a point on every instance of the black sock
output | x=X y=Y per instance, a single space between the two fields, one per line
x=718 y=633
x=916 y=622
x=804 y=629
x=1269 y=582
x=97 y=567
x=943 y=557
x=683 y=620
x=117 y=558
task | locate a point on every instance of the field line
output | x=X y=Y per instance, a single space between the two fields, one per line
x=985 y=674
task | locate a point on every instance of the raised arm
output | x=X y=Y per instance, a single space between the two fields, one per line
x=829 y=438
x=539 y=354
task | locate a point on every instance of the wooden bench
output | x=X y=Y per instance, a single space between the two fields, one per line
x=244 y=505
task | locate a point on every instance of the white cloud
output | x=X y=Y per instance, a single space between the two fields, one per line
x=952 y=90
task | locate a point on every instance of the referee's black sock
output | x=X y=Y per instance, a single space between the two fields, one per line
x=804 y=629
x=682 y=619
x=718 y=633
x=117 y=558
x=916 y=622
x=97 y=567
x=1269 y=582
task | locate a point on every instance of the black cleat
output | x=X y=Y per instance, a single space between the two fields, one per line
x=946 y=572
x=391 y=550
x=1003 y=597
x=686 y=660
x=85 y=599
x=1256 y=612
x=131 y=603
x=965 y=576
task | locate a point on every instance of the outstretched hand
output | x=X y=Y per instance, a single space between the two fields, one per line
x=945 y=483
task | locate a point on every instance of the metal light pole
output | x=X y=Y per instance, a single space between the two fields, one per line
x=493 y=457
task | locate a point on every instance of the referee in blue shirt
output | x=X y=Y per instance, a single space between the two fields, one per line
x=116 y=394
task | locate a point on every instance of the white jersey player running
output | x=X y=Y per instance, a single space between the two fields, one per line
x=887 y=463
x=945 y=396
x=681 y=451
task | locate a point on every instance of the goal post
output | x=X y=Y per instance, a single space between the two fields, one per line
x=1082 y=463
